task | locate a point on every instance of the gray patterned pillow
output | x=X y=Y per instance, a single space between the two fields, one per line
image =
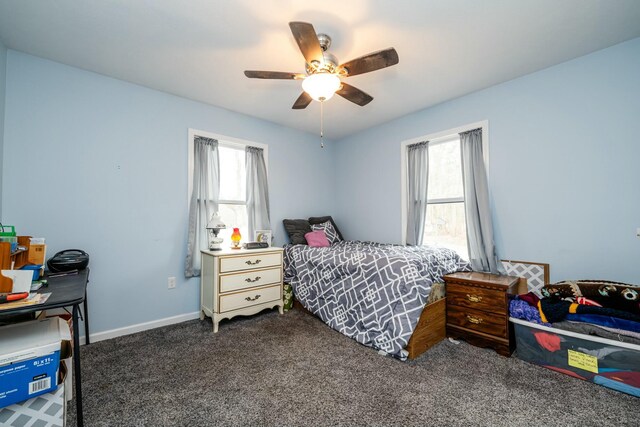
x=329 y=231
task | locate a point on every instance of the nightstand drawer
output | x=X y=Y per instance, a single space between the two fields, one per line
x=250 y=279
x=249 y=262
x=248 y=298
x=488 y=323
x=476 y=298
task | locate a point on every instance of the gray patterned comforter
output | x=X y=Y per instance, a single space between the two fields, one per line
x=371 y=292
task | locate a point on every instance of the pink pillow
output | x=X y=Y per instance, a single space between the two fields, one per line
x=317 y=239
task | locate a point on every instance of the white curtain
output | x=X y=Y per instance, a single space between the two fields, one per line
x=204 y=200
x=482 y=249
x=417 y=180
x=257 y=191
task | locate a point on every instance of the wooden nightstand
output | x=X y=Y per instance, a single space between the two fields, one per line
x=478 y=309
x=240 y=282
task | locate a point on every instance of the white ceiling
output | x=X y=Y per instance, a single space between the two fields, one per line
x=198 y=49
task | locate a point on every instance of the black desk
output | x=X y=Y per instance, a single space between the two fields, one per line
x=66 y=291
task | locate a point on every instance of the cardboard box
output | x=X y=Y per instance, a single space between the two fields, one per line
x=68 y=382
x=30 y=358
x=47 y=410
x=37 y=253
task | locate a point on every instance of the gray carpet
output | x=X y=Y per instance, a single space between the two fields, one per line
x=271 y=370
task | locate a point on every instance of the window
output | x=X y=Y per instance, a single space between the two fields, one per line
x=445 y=223
x=233 y=195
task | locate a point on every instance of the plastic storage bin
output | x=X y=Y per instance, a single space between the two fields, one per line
x=35 y=268
x=610 y=363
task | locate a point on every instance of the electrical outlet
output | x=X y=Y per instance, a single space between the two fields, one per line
x=172 y=282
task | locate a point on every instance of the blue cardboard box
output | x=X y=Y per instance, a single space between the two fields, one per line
x=30 y=358
x=45 y=410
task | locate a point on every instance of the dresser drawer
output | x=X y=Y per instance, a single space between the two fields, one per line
x=250 y=279
x=249 y=262
x=476 y=298
x=248 y=298
x=476 y=320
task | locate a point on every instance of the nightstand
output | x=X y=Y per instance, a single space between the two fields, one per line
x=478 y=309
x=240 y=282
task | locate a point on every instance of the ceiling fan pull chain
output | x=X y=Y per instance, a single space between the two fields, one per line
x=321 y=124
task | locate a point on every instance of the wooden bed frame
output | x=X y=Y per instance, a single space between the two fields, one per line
x=430 y=330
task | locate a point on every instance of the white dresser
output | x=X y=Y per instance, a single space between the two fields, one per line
x=240 y=282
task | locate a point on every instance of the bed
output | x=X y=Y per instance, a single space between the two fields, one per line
x=378 y=294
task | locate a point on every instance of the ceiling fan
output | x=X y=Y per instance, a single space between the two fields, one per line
x=323 y=71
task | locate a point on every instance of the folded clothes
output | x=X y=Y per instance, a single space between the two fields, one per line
x=530 y=298
x=622 y=359
x=522 y=310
x=554 y=310
x=548 y=341
x=608 y=321
x=600 y=331
x=600 y=353
x=623 y=333
x=618 y=296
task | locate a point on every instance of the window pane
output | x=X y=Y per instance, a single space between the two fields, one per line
x=232 y=174
x=234 y=216
x=445 y=170
x=446 y=227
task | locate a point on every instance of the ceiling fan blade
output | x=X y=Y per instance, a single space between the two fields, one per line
x=371 y=62
x=273 y=75
x=307 y=40
x=354 y=95
x=303 y=100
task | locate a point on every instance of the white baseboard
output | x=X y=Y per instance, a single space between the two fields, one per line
x=127 y=330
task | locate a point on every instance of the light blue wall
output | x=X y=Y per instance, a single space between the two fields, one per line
x=564 y=153
x=100 y=164
x=3 y=75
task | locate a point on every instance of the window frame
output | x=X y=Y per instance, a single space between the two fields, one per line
x=224 y=141
x=434 y=139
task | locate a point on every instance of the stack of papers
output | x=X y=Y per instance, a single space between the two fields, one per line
x=33 y=299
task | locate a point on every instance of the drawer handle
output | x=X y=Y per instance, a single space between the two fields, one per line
x=474 y=298
x=248 y=280
x=473 y=319
x=252 y=299
x=253 y=263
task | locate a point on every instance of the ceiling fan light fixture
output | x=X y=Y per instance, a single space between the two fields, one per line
x=321 y=86
x=323 y=72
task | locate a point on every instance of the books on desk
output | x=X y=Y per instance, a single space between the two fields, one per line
x=37 y=285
